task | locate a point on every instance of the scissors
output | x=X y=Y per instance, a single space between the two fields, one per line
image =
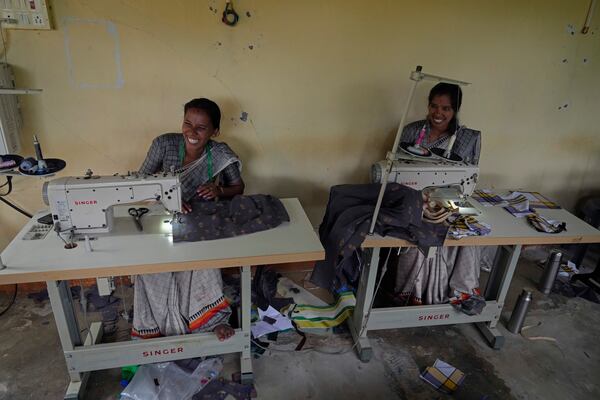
x=137 y=214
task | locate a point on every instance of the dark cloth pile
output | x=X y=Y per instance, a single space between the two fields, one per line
x=347 y=221
x=240 y=215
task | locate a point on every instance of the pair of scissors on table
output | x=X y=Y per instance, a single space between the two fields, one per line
x=137 y=214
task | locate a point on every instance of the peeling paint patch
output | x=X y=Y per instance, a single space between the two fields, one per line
x=571 y=29
x=248 y=14
x=564 y=60
x=251 y=47
x=244 y=116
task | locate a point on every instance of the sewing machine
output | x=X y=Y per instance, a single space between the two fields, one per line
x=446 y=182
x=86 y=204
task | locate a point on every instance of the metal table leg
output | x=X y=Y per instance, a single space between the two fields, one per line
x=497 y=287
x=245 y=357
x=69 y=333
x=364 y=297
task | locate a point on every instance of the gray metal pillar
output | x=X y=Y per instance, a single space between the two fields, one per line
x=245 y=357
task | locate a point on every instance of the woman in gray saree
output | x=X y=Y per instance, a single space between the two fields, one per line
x=453 y=269
x=176 y=303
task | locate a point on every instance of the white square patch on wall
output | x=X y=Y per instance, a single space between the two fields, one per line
x=93 y=54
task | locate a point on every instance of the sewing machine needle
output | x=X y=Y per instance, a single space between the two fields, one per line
x=138 y=224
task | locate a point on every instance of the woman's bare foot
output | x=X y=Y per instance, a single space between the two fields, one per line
x=223 y=332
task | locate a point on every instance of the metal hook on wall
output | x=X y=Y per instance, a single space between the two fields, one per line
x=230 y=17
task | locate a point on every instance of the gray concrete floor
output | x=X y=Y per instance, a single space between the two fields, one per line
x=557 y=358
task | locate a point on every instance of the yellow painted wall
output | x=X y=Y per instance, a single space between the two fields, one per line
x=323 y=83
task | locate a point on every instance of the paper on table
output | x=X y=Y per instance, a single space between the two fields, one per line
x=261 y=328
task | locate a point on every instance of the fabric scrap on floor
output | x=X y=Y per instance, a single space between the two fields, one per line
x=443 y=376
x=307 y=316
x=264 y=289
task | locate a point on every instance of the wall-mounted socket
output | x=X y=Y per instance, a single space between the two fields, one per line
x=38 y=19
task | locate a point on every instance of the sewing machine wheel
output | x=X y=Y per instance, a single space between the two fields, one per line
x=440 y=153
x=11 y=157
x=54 y=165
x=404 y=146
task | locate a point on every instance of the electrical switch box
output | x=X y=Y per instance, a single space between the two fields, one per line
x=25 y=14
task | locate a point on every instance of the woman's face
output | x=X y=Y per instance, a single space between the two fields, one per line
x=440 y=112
x=197 y=128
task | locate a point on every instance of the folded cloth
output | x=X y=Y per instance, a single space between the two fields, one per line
x=467 y=225
x=542 y=224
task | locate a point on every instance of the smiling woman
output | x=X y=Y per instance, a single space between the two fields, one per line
x=192 y=301
x=200 y=160
x=441 y=128
x=415 y=281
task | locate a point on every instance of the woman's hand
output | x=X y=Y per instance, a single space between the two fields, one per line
x=209 y=191
x=186 y=207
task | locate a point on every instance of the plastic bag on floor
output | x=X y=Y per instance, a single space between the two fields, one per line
x=169 y=381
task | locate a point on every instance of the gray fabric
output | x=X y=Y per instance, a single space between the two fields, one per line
x=347 y=221
x=227 y=218
x=467 y=144
x=164 y=154
x=169 y=303
x=452 y=268
x=455 y=268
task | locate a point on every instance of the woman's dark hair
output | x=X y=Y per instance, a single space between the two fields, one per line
x=454 y=93
x=209 y=107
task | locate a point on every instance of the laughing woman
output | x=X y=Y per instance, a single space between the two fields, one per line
x=176 y=303
x=455 y=270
